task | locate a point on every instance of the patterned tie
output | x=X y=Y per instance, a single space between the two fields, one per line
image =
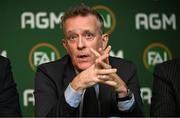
x=90 y=103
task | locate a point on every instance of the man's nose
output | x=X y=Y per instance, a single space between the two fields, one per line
x=81 y=43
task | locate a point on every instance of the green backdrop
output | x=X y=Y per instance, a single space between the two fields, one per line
x=143 y=31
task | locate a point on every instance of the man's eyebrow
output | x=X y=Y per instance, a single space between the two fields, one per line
x=88 y=31
x=69 y=32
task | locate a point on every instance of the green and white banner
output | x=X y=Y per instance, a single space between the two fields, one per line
x=143 y=31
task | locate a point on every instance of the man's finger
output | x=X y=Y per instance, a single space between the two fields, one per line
x=95 y=52
x=105 y=71
x=102 y=58
x=104 y=65
x=107 y=50
x=103 y=77
x=110 y=83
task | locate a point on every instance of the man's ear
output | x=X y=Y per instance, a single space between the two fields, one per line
x=64 y=44
x=105 y=39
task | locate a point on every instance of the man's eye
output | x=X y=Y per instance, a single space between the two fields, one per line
x=89 y=36
x=73 y=37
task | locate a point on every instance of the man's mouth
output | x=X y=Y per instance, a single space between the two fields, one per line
x=83 y=57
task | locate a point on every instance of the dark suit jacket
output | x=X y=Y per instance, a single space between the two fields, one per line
x=9 y=100
x=166 y=89
x=53 y=78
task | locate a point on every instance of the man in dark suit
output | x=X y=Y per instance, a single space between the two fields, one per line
x=86 y=82
x=9 y=99
x=166 y=89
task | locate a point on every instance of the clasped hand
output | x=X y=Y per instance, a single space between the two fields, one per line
x=100 y=72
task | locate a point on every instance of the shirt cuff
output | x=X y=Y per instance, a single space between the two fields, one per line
x=72 y=97
x=126 y=105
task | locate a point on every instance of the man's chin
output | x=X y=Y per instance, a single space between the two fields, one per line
x=83 y=66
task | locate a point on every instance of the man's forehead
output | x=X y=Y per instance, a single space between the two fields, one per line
x=81 y=19
x=81 y=24
x=85 y=30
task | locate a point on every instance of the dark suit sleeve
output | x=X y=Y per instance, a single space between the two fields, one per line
x=133 y=85
x=163 y=103
x=49 y=98
x=9 y=99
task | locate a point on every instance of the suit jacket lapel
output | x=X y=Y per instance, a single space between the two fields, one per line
x=69 y=73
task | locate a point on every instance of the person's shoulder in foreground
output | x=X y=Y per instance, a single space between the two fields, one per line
x=9 y=98
x=170 y=64
x=165 y=96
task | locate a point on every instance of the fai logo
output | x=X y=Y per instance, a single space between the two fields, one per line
x=42 y=53
x=108 y=17
x=154 y=54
